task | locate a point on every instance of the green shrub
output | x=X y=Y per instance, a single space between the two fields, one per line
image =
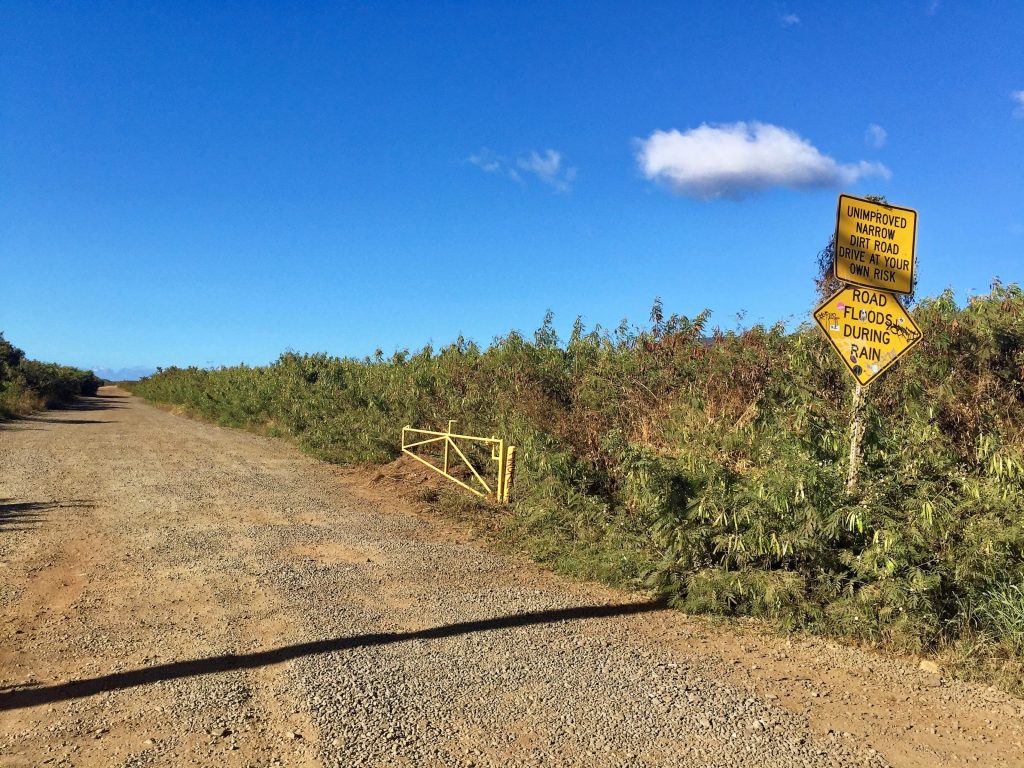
x=27 y=385
x=711 y=465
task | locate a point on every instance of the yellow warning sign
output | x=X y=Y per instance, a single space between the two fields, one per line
x=874 y=244
x=869 y=329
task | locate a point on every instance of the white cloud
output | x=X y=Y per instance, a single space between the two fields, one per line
x=875 y=136
x=490 y=162
x=486 y=160
x=1018 y=99
x=547 y=167
x=789 y=20
x=737 y=159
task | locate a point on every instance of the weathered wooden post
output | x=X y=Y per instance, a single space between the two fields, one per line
x=857 y=427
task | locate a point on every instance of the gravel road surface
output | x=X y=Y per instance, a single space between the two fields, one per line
x=174 y=593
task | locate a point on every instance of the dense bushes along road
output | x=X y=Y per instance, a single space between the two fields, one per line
x=28 y=385
x=712 y=466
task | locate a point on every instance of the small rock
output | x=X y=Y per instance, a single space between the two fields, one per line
x=929 y=666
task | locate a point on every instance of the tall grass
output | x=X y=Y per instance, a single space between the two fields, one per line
x=1000 y=612
x=710 y=465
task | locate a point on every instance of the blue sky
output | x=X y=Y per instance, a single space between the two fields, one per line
x=214 y=183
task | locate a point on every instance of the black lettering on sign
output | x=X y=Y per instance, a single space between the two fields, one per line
x=859 y=353
x=885 y=275
x=876 y=217
x=848 y=253
x=869 y=297
x=875 y=231
x=865 y=334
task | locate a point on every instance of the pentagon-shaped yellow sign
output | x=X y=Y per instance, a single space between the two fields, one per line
x=869 y=329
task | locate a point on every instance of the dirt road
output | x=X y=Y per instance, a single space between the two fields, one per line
x=179 y=594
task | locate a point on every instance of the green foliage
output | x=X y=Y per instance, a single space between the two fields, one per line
x=27 y=385
x=711 y=466
x=1000 y=612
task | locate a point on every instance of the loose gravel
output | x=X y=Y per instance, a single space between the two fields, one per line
x=341 y=630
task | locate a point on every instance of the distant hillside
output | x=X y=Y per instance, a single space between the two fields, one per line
x=124 y=374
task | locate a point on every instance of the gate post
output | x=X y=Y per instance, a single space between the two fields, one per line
x=499 y=491
x=508 y=471
x=447 y=441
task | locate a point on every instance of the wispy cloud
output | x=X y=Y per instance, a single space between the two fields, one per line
x=789 y=20
x=738 y=159
x=486 y=161
x=875 y=136
x=491 y=162
x=933 y=7
x=546 y=167
x=1018 y=100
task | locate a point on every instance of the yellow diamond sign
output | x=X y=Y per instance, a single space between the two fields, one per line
x=869 y=329
x=874 y=244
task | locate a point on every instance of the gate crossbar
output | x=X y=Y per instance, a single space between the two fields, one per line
x=421 y=442
x=500 y=453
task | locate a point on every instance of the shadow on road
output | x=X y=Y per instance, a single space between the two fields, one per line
x=26 y=514
x=77 y=689
x=94 y=403
x=68 y=421
x=81 y=404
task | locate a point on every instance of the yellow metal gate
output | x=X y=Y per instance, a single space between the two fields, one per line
x=503 y=455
